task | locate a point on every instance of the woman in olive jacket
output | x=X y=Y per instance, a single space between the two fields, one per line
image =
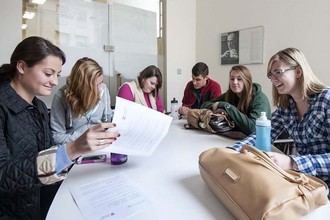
x=243 y=101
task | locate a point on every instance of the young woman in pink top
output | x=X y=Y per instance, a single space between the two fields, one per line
x=145 y=91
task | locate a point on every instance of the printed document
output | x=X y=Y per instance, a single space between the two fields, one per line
x=110 y=198
x=141 y=129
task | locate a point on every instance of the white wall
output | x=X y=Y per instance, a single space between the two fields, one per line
x=180 y=45
x=193 y=34
x=303 y=24
x=10 y=26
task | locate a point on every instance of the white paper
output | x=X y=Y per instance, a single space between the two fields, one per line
x=141 y=129
x=111 y=198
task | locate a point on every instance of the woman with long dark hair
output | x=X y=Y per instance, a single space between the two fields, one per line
x=30 y=163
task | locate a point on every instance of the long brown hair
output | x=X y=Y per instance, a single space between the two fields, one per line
x=246 y=94
x=81 y=91
x=308 y=84
x=148 y=72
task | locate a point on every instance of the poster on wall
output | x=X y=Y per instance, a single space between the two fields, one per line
x=244 y=46
x=230 y=48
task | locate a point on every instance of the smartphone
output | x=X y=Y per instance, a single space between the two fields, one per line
x=102 y=158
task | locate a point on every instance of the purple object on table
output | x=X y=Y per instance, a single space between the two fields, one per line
x=117 y=159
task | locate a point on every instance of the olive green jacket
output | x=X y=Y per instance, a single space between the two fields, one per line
x=245 y=122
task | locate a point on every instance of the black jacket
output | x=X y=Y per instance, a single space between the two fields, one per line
x=24 y=131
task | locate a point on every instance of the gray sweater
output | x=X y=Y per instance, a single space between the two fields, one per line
x=66 y=128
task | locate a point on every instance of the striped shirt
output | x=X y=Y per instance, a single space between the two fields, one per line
x=311 y=134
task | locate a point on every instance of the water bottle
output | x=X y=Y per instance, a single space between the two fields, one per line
x=263 y=127
x=174 y=109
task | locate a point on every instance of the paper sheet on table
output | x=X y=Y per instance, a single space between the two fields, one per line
x=141 y=129
x=110 y=198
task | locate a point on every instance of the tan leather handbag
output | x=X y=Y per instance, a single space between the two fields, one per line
x=252 y=186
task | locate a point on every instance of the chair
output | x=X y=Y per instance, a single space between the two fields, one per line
x=284 y=143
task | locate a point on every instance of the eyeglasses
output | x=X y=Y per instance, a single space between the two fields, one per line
x=278 y=72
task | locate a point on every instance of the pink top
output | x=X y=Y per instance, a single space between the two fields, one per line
x=126 y=93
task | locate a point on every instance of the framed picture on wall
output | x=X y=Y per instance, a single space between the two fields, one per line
x=230 y=47
x=243 y=46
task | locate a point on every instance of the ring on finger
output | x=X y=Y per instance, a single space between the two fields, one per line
x=101 y=142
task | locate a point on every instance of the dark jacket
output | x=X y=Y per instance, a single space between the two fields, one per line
x=194 y=98
x=246 y=122
x=24 y=131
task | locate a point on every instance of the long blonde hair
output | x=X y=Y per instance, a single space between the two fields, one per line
x=81 y=91
x=246 y=94
x=308 y=84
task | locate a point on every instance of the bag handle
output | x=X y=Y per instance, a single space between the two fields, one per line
x=262 y=155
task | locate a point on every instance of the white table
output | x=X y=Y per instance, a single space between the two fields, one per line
x=169 y=179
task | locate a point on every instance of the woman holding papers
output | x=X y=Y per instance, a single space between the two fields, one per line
x=83 y=102
x=29 y=161
x=145 y=91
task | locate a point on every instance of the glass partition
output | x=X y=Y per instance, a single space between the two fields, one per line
x=121 y=35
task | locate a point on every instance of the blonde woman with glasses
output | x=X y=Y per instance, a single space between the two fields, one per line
x=303 y=110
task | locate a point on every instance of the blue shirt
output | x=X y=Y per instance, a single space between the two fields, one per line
x=311 y=134
x=62 y=159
